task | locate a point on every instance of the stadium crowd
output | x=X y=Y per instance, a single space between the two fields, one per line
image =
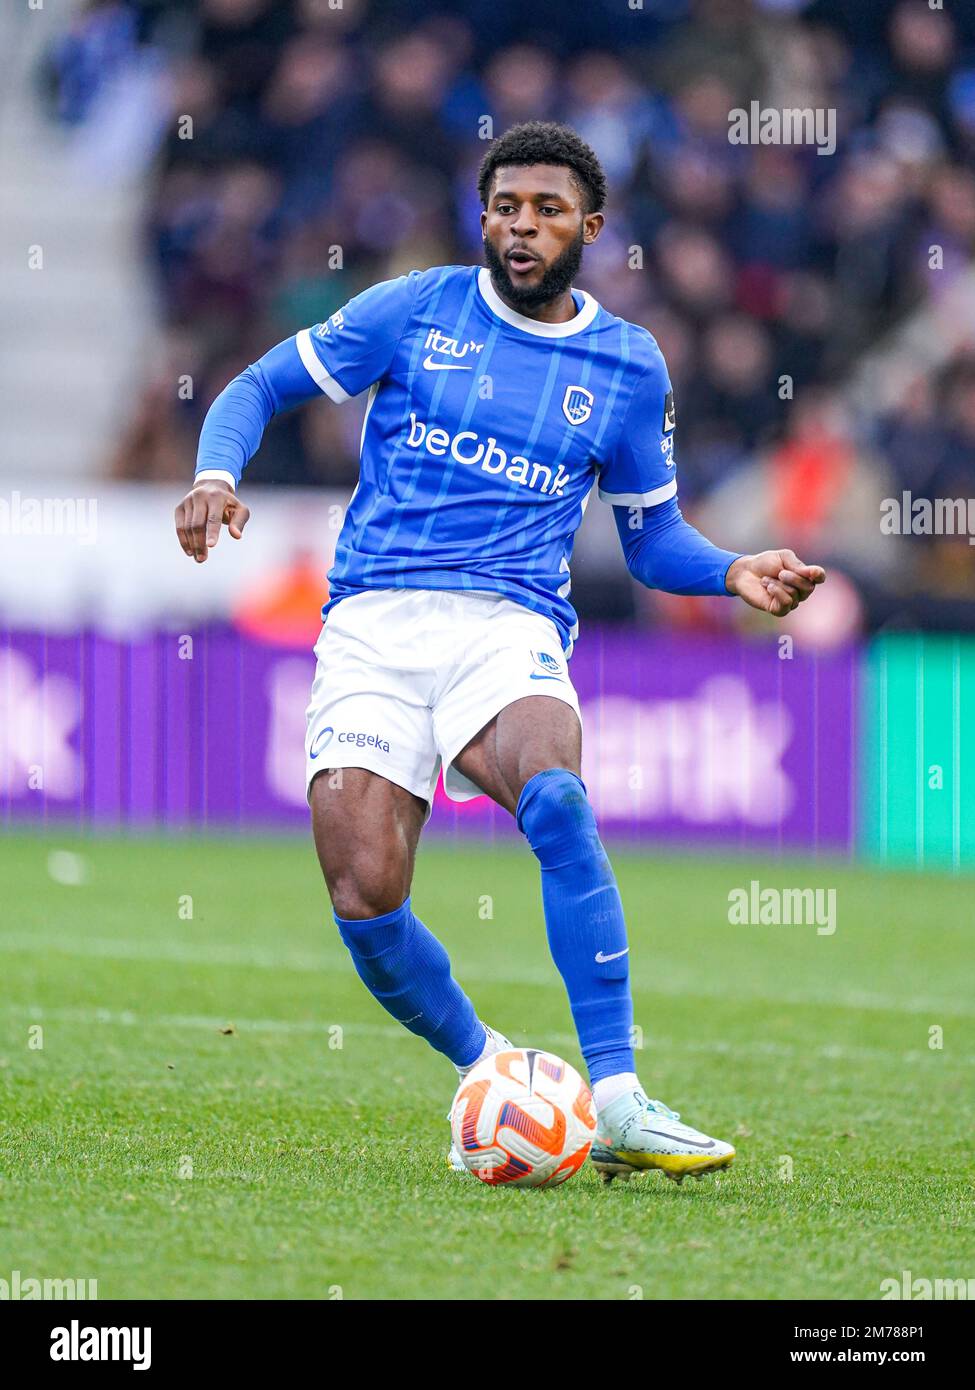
x=334 y=143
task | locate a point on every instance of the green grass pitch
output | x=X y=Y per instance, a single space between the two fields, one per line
x=219 y=1109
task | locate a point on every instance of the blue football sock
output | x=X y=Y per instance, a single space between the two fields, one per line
x=583 y=916
x=406 y=969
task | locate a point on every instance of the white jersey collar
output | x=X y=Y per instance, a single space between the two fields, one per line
x=585 y=316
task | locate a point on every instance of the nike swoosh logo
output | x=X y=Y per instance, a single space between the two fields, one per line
x=536 y=677
x=679 y=1138
x=601 y=959
x=432 y=365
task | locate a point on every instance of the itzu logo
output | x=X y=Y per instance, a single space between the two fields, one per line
x=577 y=404
x=439 y=342
x=361 y=740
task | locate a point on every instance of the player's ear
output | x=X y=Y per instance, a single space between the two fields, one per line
x=592 y=225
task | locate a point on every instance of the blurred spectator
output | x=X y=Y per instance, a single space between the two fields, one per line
x=100 y=42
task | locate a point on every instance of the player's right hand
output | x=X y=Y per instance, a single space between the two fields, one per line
x=204 y=509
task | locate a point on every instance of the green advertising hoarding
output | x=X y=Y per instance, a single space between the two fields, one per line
x=918 y=786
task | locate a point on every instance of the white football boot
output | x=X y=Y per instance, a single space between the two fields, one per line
x=634 y=1133
x=494 y=1042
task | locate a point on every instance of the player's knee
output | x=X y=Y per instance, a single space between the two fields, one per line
x=367 y=885
x=355 y=899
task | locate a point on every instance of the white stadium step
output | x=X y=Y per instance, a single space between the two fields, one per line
x=78 y=332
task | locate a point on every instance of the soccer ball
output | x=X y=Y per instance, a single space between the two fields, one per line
x=524 y=1118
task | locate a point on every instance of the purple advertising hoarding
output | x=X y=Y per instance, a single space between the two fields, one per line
x=687 y=740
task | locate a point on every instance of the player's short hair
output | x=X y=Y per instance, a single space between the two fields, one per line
x=546 y=142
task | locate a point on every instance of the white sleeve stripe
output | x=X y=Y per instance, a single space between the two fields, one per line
x=640 y=499
x=313 y=366
x=221 y=473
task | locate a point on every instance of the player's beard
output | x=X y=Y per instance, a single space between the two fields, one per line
x=556 y=280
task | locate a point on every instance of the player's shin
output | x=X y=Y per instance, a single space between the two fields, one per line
x=406 y=969
x=583 y=919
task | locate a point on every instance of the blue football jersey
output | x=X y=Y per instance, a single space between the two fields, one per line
x=485 y=433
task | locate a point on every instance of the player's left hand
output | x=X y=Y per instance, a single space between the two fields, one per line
x=775 y=581
x=205 y=508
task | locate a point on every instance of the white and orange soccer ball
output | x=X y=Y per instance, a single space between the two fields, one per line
x=523 y=1118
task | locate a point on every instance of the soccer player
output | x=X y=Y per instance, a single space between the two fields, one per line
x=499 y=397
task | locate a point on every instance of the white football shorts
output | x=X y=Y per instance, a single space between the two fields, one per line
x=407 y=677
